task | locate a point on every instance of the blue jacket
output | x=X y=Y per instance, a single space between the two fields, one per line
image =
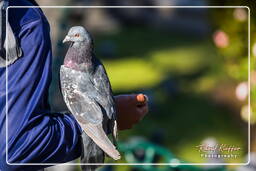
x=34 y=134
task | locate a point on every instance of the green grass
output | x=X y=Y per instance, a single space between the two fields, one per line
x=135 y=72
x=131 y=74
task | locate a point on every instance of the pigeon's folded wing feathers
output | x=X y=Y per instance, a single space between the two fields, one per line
x=84 y=108
x=105 y=97
x=102 y=84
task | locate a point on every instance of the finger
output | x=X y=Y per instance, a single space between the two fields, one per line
x=132 y=99
x=141 y=99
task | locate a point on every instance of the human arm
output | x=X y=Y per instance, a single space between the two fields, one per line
x=34 y=134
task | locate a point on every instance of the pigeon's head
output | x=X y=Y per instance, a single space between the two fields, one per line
x=78 y=34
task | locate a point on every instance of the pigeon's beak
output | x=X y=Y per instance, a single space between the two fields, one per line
x=67 y=39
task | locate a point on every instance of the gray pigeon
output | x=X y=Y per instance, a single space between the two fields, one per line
x=87 y=93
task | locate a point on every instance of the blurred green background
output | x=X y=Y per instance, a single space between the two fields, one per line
x=191 y=62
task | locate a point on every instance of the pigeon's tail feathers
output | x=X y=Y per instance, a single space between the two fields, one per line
x=114 y=132
x=115 y=129
x=91 y=154
x=97 y=134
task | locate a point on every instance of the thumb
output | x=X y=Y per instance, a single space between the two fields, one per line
x=141 y=99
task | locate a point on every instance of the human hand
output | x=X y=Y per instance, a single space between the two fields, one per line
x=130 y=109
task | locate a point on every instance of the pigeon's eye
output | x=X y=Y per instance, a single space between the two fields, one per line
x=76 y=35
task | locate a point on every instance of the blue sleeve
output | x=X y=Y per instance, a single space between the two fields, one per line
x=34 y=134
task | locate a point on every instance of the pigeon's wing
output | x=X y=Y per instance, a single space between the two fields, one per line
x=105 y=96
x=85 y=109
